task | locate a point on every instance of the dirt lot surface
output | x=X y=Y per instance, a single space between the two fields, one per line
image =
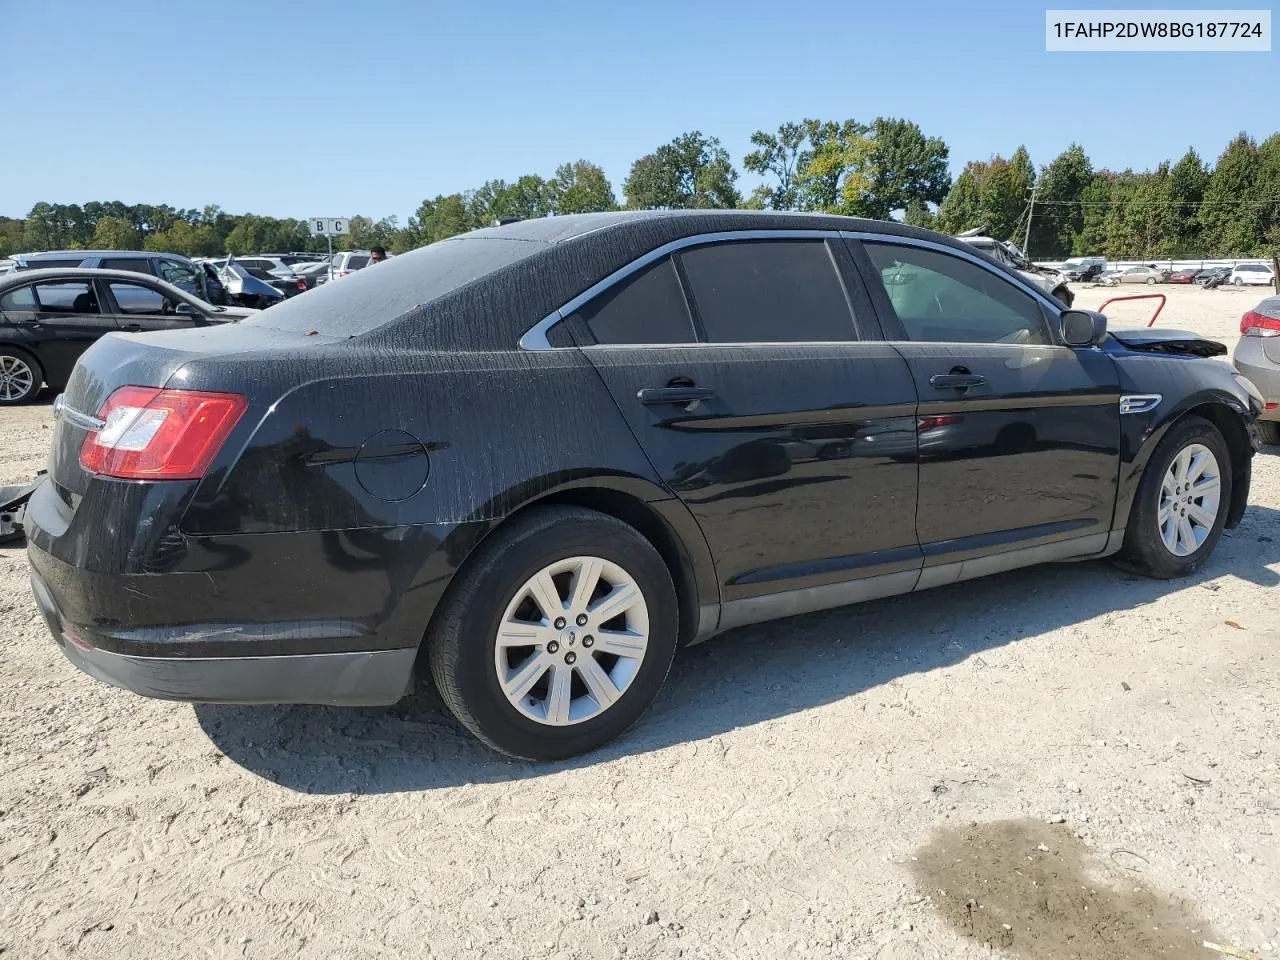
x=1061 y=762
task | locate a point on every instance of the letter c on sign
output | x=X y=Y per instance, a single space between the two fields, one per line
x=337 y=226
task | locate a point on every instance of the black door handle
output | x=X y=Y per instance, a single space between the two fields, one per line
x=687 y=395
x=957 y=381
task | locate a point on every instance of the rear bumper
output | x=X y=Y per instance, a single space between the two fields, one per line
x=362 y=678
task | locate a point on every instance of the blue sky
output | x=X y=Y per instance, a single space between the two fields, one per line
x=314 y=108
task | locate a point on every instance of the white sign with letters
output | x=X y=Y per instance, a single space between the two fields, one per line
x=329 y=226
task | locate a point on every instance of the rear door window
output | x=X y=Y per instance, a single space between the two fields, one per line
x=66 y=297
x=768 y=291
x=646 y=307
x=135 y=264
x=357 y=262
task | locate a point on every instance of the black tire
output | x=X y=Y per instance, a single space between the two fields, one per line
x=37 y=374
x=462 y=638
x=1270 y=431
x=1144 y=551
x=1238 y=281
x=1151 y=281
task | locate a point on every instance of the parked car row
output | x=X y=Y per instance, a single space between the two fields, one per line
x=1242 y=274
x=50 y=316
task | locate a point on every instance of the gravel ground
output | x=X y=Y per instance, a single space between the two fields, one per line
x=1053 y=763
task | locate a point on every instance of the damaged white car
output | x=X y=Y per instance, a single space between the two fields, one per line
x=1052 y=282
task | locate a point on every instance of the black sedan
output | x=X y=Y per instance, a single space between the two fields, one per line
x=48 y=318
x=535 y=459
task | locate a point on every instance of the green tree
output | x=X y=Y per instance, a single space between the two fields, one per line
x=1227 y=227
x=582 y=187
x=833 y=174
x=1187 y=182
x=11 y=238
x=1092 y=238
x=186 y=238
x=1121 y=241
x=248 y=236
x=905 y=167
x=1062 y=187
x=113 y=233
x=441 y=218
x=779 y=155
x=690 y=172
x=962 y=208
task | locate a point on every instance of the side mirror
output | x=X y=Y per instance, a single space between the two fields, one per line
x=1083 y=328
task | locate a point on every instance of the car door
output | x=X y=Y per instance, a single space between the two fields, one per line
x=184 y=276
x=1018 y=435
x=66 y=318
x=737 y=363
x=137 y=307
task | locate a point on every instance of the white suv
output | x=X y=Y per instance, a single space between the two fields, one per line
x=345 y=264
x=1258 y=274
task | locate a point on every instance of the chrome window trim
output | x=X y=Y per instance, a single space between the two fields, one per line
x=1017 y=281
x=535 y=338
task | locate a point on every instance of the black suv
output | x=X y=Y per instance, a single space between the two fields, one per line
x=170 y=267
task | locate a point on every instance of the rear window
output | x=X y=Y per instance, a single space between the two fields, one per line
x=66 y=297
x=20 y=299
x=372 y=299
x=357 y=262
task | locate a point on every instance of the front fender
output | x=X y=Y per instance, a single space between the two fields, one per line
x=1205 y=387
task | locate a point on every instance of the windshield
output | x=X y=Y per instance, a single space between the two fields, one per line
x=369 y=299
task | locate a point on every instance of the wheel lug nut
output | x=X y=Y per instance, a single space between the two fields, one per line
x=552 y=647
x=588 y=640
x=582 y=619
x=559 y=624
x=570 y=657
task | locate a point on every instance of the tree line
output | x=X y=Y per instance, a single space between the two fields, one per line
x=886 y=168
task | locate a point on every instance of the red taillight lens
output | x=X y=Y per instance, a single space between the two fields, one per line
x=1254 y=324
x=153 y=434
x=302 y=284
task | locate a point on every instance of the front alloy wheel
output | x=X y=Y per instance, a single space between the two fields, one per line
x=1180 y=506
x=571 y=641
x=1189 y=500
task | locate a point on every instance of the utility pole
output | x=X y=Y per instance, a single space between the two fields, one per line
x=1026 y=243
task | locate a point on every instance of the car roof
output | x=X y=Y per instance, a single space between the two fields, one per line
x=10 y=280
x=440 y=297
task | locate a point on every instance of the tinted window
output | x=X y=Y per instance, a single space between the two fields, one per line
x=647 y=307
x=357 y=262
x=135 y=298
x=943 y=298
x=75 y=297
x=767 y=291
x=51 y=264
x=136 y=264
x=20 y=299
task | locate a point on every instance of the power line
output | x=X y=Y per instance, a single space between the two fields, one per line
x=1158 y=203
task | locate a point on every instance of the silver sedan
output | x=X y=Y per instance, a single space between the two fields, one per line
x=1257 y=356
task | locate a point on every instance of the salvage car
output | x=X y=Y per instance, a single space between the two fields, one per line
x=1045 y=279
x=535 y=459
x=1257 y=356
x=170 y=267
x=1252 y=274
x=48 y=318
x=1186 y=275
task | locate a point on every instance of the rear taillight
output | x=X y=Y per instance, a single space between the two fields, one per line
x=302 y=284
x=153 y=434
x=1254 y=324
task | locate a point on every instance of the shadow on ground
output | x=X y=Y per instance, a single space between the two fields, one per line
x=745 y=677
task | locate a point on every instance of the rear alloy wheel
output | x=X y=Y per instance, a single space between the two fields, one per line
x=1151 y=281
x=557 y=635
x=1181 y=503
x=20 y=378
x=1238 y=281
